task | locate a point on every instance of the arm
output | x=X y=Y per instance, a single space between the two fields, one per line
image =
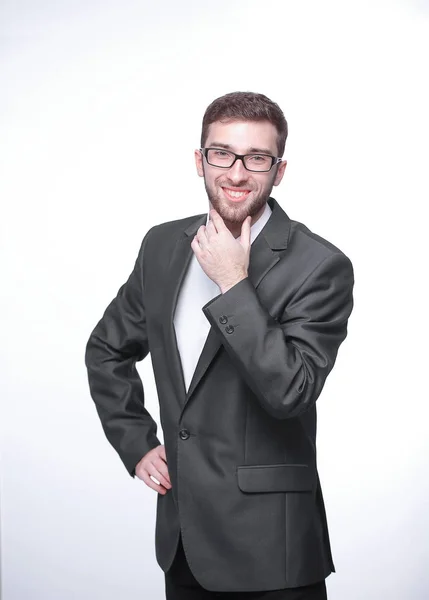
x=117 y=342
x=286 y=362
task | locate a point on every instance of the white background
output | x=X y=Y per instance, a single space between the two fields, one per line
x=101 y=106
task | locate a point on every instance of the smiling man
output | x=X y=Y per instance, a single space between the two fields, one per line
x=243 y=311
x=240 y=187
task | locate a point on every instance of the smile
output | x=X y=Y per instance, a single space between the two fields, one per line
x=235 y=195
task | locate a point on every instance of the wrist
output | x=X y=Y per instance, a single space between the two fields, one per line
x=224 y=287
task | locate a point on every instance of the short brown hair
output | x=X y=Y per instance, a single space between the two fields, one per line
x=246 y=106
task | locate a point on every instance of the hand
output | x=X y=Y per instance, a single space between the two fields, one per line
x=154 y=463
x=224 y=259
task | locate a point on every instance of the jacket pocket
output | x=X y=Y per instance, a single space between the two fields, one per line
x=276 y=478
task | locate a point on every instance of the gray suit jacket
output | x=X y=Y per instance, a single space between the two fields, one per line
x=241 y=443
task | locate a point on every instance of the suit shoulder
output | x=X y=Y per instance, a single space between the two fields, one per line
x=167 y=230
x=320 y=247
x=161 y=241
x=169 y=227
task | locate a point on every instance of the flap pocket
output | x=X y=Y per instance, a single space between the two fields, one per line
x=276 y=478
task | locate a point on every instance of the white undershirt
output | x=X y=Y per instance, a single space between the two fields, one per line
x=190 y=323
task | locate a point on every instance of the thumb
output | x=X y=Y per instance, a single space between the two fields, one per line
x=245 y=232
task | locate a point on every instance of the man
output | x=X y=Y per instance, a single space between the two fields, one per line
x=243 y=311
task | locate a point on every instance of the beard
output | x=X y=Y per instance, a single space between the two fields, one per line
x=236 y=213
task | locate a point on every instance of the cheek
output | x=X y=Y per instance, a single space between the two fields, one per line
x=215 y=180
x=208 y=180
x=263 y=183
x=270 y=181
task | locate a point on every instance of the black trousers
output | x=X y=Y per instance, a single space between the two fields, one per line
x=180 y=584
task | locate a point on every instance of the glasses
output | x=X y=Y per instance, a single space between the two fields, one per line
x=261 y=163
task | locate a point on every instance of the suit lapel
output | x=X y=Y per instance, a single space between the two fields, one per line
x=182 y=254
x=263 y=257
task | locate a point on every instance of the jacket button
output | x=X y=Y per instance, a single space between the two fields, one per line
x=184 y=434
x=223 y=319
x=229 y=329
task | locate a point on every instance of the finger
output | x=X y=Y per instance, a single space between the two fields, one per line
x=210 y=228
x=249 y=225
x=163 y=469
x=211 y=222
x=200 y=236
x=217 y=220
x=201 y=240
x=245 y=231
x=150 y=483
x=152 y=470
x=161 y=452
x=201 y=232
x=195 y=245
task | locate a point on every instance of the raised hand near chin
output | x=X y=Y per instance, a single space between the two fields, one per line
x=223 y=258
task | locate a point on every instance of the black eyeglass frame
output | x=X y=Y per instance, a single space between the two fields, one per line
x=274 y=159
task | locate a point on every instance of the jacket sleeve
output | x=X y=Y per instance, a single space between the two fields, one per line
x=286 y=361
x=118 y=341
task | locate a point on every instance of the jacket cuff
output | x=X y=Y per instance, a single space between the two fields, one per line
x=233 y=308
x=141 y=447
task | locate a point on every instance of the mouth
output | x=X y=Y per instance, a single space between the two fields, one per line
x=235 y=195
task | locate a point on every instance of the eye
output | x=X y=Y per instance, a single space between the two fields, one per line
x=259 y=158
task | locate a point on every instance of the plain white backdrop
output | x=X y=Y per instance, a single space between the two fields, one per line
x=101 y=105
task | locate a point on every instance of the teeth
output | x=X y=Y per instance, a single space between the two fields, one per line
x=235 y=194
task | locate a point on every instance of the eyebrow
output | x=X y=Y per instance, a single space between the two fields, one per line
x=250 y=150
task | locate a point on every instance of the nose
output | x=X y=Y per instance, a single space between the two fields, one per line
x=237 y=172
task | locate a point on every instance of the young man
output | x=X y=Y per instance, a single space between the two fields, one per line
x=243 y=311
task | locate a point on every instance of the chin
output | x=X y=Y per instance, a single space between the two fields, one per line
x=237 y=214
x=233 y=214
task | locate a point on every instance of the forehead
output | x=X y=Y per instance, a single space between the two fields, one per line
x=244 y=136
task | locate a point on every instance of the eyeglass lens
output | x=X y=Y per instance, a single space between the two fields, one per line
x=253 y=162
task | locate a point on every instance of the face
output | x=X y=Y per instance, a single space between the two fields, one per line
x=236 y=193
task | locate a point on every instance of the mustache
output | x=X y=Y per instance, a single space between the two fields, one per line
x=228 y=184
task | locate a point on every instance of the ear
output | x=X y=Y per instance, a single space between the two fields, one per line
x=280 y=172
x=199 y=162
